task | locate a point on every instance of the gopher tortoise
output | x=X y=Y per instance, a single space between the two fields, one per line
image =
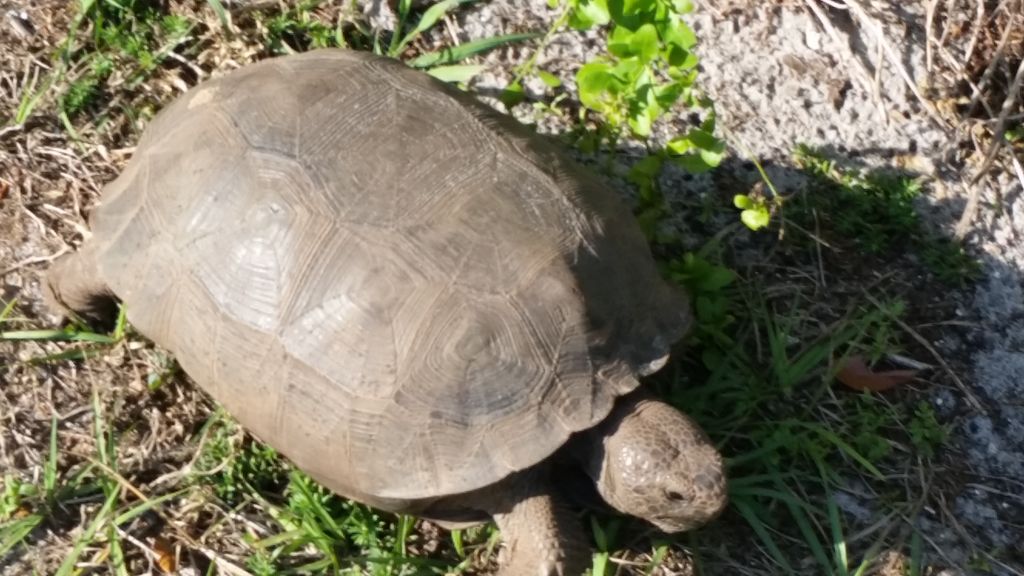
x=420 y=302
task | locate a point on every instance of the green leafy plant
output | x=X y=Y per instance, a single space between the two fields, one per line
x=926 y=434
x=1014 y=134
x=756 y=213
x=757 y=208
x=706 y=283
x=648 y=72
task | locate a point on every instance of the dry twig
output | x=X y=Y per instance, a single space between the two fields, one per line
x=963 y=227
x=894 y=60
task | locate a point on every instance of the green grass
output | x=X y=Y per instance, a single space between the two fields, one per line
x=120 y=43
x=116 y=46
x=875 y=212
x=246 y=474
x=297 y=29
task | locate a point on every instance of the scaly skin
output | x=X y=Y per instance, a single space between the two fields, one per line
x=652 y=461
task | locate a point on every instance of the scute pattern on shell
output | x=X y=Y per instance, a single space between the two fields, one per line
x=410 y=293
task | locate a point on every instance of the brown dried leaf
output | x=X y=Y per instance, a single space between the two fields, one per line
x=165 y=555
x=856 y=374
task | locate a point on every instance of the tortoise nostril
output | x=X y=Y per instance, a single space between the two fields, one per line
x=674 y=496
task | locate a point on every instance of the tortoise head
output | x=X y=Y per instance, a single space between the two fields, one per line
x=652 y=461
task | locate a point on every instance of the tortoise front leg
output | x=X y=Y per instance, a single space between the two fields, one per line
x=73 y=285
x=542 y=536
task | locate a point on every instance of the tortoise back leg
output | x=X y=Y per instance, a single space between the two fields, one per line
x=73 y=287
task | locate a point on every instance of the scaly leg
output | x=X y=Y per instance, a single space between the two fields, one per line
x=542 y=536
x=73 y=285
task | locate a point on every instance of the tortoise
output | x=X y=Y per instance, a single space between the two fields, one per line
x=419 y=301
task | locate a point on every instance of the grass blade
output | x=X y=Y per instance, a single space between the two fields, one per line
x=76 y=354
x=31 y=98
x=50 y=469
x=402 y=12
x=116 y=559
x=599 y=564
x=68 y=566
x=430 y=17
x=456 y=73
x=838 y=540
x=121 y=326
x=222 y=15
x=803 y=524
x=146 y=506
x=457 y=543
x=848 y=450
x=405 y=526
x=16 y=530
x=7 y=310
x=57 y=336
x=916 y=553
x=453 y=54
x=759 y=527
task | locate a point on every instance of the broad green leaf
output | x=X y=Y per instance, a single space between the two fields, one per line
x=677 y=33
x=589 y=13
x=618 y=41
x=633 y=13
x=644 y=108
x=641 y=43
x=640 y=124
x=682 y=6
x=512 y=94
x=742 y=201
x=631 y=71
x=668 y=94
x=644 y=42
x=642 y=116
x=698 y=151
x=697 y=162
x=597 y=85
x=755 y=219
x=681 y=59
x=647 y=168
